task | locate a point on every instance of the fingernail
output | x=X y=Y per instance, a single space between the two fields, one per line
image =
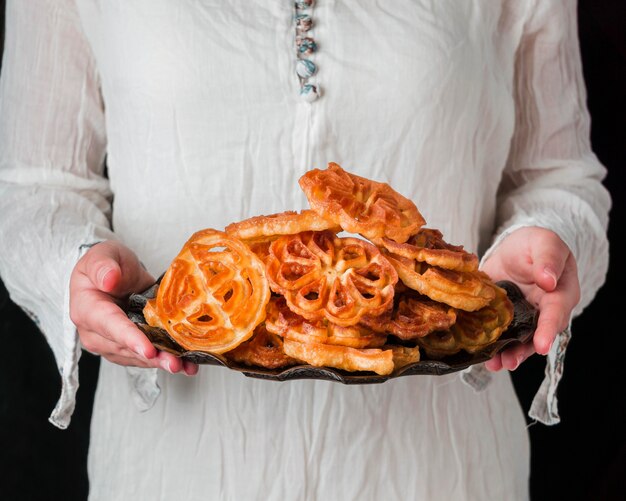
x=552 y=275
x=101 y=275
x=165 y=364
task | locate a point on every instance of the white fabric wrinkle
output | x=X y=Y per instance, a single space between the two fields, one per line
x=489 y=479
x=476 y=377
x=203 y=438
x=144 y=387
x=544 y=407
x=180 y=164
x=245 y=185
x=455 y=484
x=68 y=363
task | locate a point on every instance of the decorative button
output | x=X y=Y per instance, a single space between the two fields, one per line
x=309 y=93
x=305 y=68
x=304 y=4
x=303 y=22
x=306 y=45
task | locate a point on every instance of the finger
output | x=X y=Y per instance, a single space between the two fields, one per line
x=114 y=269
x=569 y=283
x=134 y=362
x=513 y=357
x=134 y=277
x=549 y=255
x=108 y=320
x=128 y=361
x=102 y=266
x=494 y=364
x=113 y=352
x=169 y=362
x=555 y=308
x=553 y=318
x=96 y=344
x=190 y=368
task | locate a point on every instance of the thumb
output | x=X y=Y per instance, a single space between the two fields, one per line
x=549 y=255
x=116 y=270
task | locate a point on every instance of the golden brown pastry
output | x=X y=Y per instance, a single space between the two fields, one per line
x=324 y=276
x=268 y=228
x=404 y=355
x=341 y=357
x=473 y=331
x=283 y=322
x=428 y=246
x=412 y=316
x=213 y=294
x=464 y=290
x=360 y=205
x=263 y=349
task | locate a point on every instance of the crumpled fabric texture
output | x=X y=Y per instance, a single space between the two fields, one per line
x=475 y=110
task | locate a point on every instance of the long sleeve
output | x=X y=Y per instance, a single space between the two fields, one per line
x=53 y=195
x=552 y=179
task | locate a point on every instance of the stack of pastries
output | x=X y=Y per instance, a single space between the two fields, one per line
x=287 y=289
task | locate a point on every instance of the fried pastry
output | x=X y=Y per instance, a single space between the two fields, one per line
x=359 y=205
x=337 y=302
x=341 y=357
x=213 y=294
x=404 y=355
x=263 y=349
x=283 y=322
x=412 y=316
x=464 y=290
x=324 y=276
x=473 y=331
x=428 y=246
x=261 y=249
x=268 y=228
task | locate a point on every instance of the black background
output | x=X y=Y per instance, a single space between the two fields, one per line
x=583 y=457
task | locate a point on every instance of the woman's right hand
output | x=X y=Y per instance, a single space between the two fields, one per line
x=104 y=276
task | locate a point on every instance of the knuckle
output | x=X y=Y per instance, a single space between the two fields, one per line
x=74 y=316
x=89 y=343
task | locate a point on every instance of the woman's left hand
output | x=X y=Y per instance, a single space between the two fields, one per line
x=544 y=268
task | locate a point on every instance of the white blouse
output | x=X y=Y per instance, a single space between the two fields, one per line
x=207 y=112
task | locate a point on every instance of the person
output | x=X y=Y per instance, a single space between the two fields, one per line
x=206 y=113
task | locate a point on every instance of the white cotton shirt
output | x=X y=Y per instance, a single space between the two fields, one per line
x=474 y=110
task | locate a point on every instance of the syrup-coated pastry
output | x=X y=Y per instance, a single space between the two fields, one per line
x=440 y=344
x=477 y=329
x=263 y=349
x=404 y=355
x=267 y=228
x=412 y=316
x=473 y=331
x=213 y=294
x=284 y=322
x=260 y=248
x=360 y=205
x=324 y=276
x=341 y=357
x=428 y=246
x=464 y=290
